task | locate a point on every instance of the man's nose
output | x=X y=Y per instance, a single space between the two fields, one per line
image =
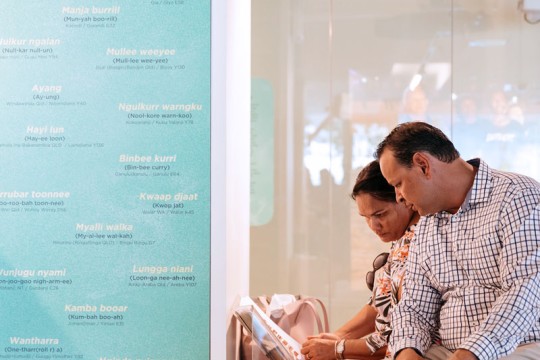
x=399 y=196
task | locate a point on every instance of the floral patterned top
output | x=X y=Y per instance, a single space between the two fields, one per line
x=386 y=291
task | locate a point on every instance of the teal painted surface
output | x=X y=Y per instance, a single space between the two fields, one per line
x=105 y=191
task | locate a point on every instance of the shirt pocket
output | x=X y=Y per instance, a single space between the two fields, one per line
x=483 y=260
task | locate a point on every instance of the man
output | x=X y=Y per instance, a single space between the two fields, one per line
x=474 y=268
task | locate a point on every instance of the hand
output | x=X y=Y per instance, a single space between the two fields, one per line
x=319 y=349
x=408 y=354
x=327 y=336
x=462 y=354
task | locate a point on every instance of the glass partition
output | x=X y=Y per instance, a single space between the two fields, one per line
x=331 y=78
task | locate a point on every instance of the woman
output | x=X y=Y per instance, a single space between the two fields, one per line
x=365 y=335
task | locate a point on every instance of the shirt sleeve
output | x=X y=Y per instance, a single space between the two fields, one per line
x=416 y=316
x=375 y=341
x=517 y=310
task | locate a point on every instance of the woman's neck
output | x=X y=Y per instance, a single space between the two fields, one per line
x=414 y=219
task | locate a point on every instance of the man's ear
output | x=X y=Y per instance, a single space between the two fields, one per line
x=422 y=161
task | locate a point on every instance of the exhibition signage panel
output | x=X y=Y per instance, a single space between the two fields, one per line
x=262 y=152
x=105 y=191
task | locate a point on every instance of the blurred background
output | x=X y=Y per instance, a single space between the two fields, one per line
x=330 y=78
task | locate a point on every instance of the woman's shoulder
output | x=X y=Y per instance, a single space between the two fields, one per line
x=408 y=236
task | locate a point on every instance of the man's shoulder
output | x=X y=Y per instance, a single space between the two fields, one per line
x=513 y=182
x=489 y=180
x=514 y=193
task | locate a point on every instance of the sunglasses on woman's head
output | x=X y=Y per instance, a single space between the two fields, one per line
x=378 y=263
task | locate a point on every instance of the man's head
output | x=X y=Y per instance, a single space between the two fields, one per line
x=409 y=138
x=411 y=157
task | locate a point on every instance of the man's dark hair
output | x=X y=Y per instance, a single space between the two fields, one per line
x=409 y=138
x=371 y=181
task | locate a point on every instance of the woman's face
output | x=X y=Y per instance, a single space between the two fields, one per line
x=388 y=220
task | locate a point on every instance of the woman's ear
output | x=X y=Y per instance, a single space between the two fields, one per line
x=422 y=162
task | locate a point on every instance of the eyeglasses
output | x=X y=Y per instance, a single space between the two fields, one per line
x=378 y=263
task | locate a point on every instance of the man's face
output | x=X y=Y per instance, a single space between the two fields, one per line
x=410 y=183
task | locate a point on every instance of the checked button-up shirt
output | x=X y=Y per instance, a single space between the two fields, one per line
x=475 y=275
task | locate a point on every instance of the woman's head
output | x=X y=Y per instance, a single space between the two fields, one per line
x=376 y=201
x=371 y=181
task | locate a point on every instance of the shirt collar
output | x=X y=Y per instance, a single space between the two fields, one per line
x=480 y=190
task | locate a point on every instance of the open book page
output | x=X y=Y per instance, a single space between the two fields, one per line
x=273 y=341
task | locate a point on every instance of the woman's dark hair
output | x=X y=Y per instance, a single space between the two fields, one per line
x=409 y=138
x=371 y=181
